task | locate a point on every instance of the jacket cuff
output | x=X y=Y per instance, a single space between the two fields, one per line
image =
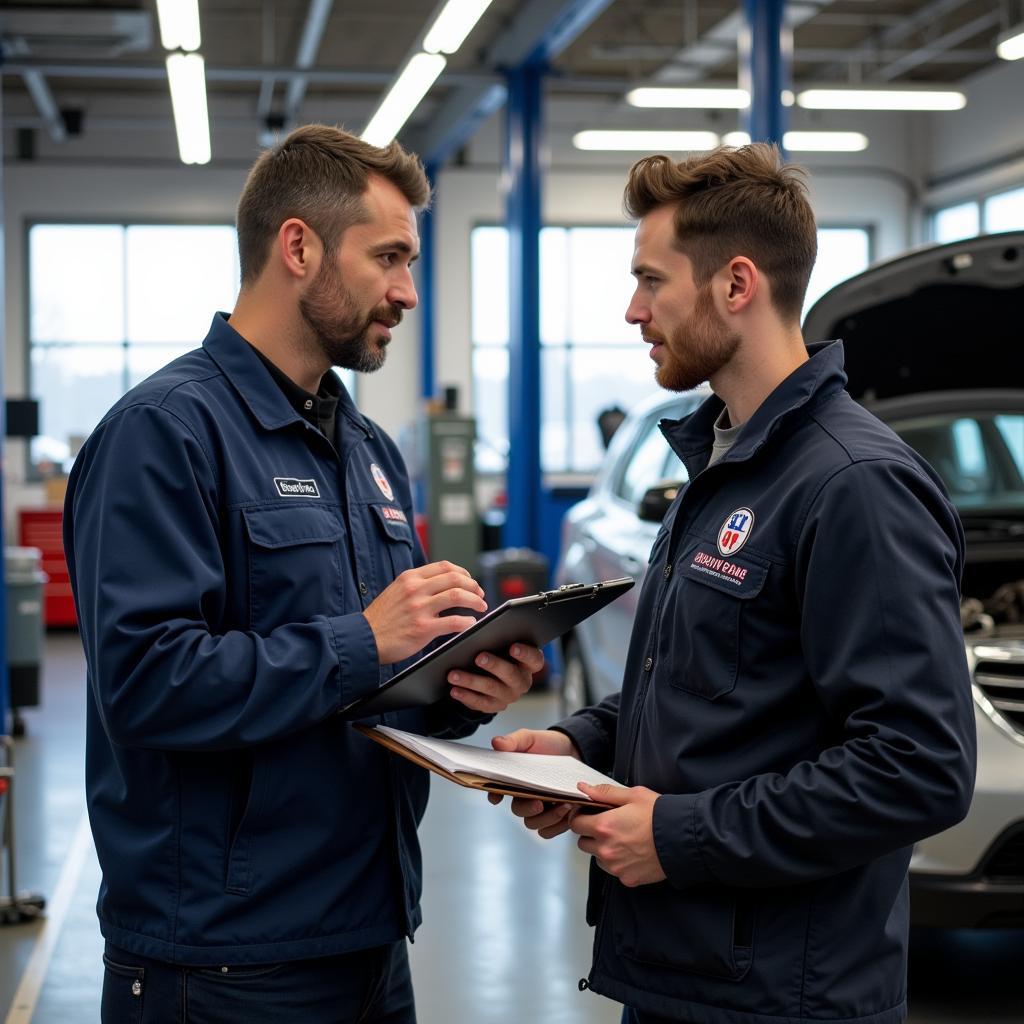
x=676 y=839
x=356 y=649
x=591 y=740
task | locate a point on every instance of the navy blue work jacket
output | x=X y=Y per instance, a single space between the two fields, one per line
x=797 y=689
x=221 y=552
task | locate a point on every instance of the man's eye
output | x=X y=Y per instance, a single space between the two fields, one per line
x=387 y=258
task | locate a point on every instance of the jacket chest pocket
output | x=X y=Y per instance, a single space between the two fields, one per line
x=702 y=623
x=294 y=564
x=397 y=551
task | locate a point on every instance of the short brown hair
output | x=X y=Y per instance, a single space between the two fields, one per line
x=318 y=174
x=735 y=202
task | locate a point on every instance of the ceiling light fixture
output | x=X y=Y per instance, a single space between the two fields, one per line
x=186 y=73
x=453 y=24
x=652 y=141
x=809 y=142
x=881 y=99
x=726 y=99
x=1010 y=44
x=418 y=75
x=179 y=24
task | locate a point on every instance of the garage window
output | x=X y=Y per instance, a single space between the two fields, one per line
x=109 y=304
x=590 y=357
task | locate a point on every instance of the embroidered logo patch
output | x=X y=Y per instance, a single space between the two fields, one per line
x=735 y=531
x=288 y=487
x=396 y=515
x=381 y=481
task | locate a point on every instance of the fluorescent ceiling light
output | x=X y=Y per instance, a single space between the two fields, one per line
x=881 y=99
x=187 y=76
x=652 y=141
x=1010 y=45
x=404 y=96
x=453 y=24
x=732 y=99
x=179 y=24
x=810 y=142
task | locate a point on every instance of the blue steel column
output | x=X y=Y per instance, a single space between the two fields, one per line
x=523 y=208
x=428 y=298
x=766 y=71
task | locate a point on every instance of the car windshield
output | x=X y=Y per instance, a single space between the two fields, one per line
x=980 y=457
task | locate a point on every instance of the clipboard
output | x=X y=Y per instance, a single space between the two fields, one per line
x=479 y=782
x=537 y=620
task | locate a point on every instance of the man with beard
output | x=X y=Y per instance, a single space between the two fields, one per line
x=244 y=565
x=796 y=706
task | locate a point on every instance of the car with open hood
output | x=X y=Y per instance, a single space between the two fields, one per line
x=934 y=346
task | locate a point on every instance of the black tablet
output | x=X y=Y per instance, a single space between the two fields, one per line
x=536 y=620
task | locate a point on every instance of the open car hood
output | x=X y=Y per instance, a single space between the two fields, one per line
x=941 y=318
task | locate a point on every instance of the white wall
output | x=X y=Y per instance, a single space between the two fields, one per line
x=981 y=148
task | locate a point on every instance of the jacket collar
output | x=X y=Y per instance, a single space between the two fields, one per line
x=242 y=366
x=821 y=376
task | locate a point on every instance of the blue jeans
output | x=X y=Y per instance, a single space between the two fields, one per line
x=369 y=986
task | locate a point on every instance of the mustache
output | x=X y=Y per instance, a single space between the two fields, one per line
x=652 y=338
x=390 y=316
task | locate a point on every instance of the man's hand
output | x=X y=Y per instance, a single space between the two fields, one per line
x=505 y=682
x=406 y=615
x=621 y=839
x=548 y=820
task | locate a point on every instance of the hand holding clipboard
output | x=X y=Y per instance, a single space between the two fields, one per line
x=535 y=620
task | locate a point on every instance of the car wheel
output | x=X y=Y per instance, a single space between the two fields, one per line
x=575 y=693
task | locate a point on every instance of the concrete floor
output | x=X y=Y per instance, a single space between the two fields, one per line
x=503 y=939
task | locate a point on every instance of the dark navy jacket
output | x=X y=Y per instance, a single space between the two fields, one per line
x=797 y=688
x=221 y=552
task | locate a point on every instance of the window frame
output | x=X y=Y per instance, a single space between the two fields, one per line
x=125 y=345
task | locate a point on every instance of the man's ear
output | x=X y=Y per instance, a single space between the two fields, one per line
x=742 y=282
x=299 y=248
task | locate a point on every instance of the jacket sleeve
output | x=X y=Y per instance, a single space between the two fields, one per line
x=878 y=566
x=142 y=536
x=593 y=731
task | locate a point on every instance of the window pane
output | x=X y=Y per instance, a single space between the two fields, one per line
x=178 y=277
x=76 y=282
x=555 y=439
x=555 y=307
x=645 y=465
x=842 y=252
x=488 y=250
x=1005 y=212
x=601 y=377
x=600 y=285
x=75 y=385
x=956 y=222
x=490 y=406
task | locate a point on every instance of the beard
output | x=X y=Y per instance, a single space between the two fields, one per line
x=698 y=349
x=341 y=333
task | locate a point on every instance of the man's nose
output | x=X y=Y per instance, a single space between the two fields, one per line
x=637 y=312
x=403 y=292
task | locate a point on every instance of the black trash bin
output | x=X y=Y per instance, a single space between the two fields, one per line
x=513 y=572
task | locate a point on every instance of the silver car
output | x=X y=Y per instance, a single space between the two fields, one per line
x=934 y=347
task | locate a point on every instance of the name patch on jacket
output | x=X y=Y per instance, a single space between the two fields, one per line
x=288 y=487
x=396 y=515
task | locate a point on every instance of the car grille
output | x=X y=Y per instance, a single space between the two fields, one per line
x=1003 y=684
x=1006 y=861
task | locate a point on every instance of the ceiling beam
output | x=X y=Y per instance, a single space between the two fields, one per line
x=984 y=22
x=309 y=44
x=538 y=34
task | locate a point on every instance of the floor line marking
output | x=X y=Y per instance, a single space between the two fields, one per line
x=32 y=978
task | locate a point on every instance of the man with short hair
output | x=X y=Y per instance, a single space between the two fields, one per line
x=796 y=707
x=244 y=565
